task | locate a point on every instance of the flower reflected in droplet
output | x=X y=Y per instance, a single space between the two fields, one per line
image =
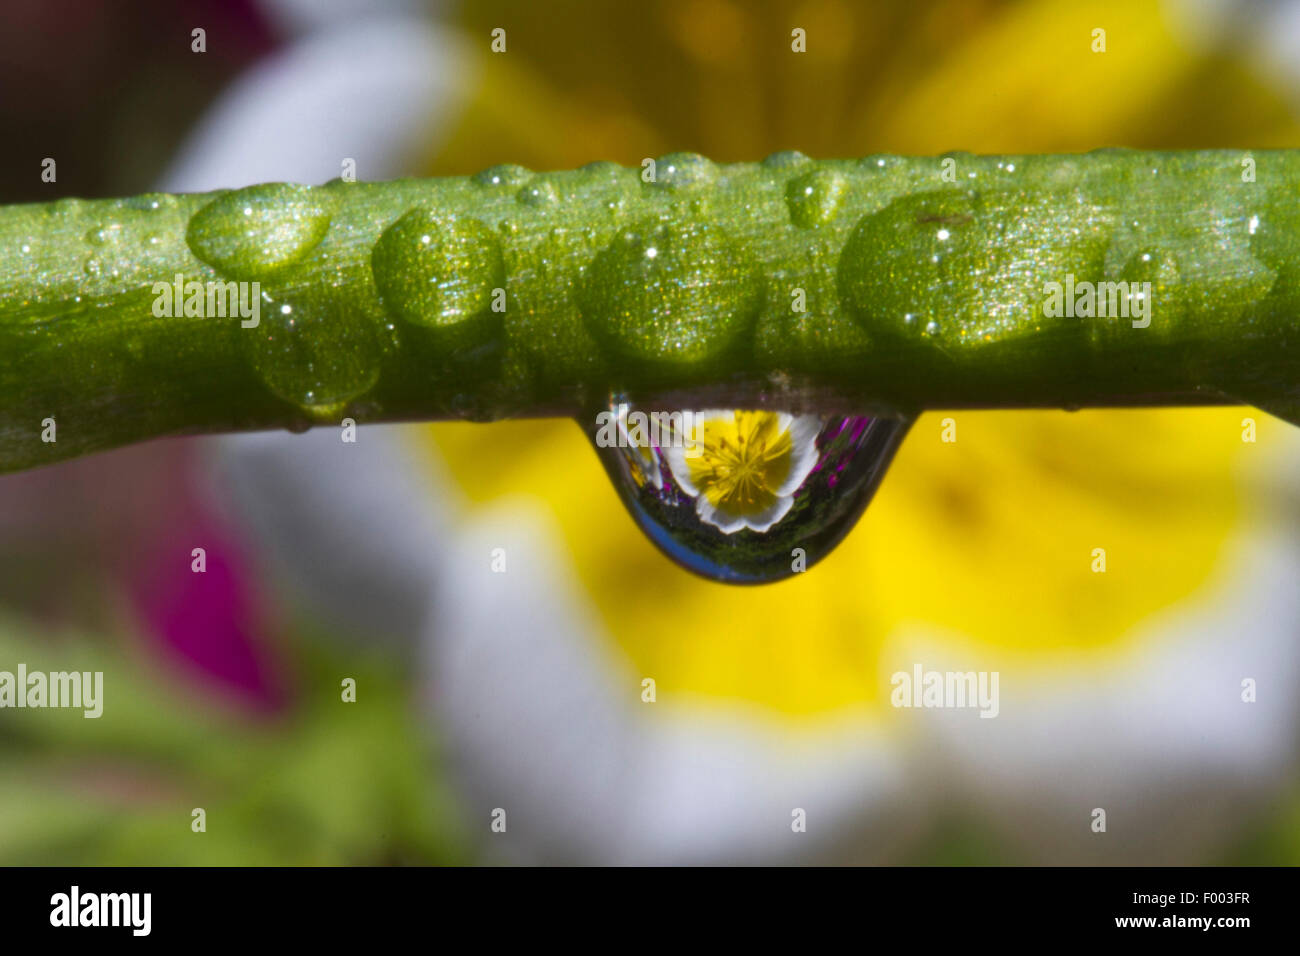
x=744 y=466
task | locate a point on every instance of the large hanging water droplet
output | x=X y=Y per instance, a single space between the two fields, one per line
x=744 y=496
x=254 y=232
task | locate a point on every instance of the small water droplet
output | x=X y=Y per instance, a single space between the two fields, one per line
x=684 y=171
x=602 y=170
x=538 y=192
x=785 y=159
x=814 y=197
x=251 y=233
x=440 y=272
x=150 y=202
x=507 y=174
x=666 y=291
x=744 y=496
x=311 y=350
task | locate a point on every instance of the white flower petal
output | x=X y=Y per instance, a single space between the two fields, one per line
x=372 y=91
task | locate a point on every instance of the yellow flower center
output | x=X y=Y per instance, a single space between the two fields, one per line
x=744 y=457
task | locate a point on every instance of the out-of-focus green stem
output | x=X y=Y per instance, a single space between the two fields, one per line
x=879 y=284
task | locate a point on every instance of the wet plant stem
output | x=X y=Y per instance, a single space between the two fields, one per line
x=886 y=284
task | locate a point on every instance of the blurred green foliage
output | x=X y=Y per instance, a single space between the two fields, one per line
x=325 y=783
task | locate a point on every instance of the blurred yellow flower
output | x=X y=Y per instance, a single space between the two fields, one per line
x=990 y=538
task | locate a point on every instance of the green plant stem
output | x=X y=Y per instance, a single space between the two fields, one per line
x=886 y=284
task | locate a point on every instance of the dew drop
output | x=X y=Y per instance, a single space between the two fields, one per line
x=603 y=169
x=814 y=197
x=684 y=171
x=744 y=497
x=538 y=193
x=507 y=174
x=969 y=269
x=150 y=202
x=664 y=291
x=1152 y=276
x=440 y=272
x=785 y=159
x=313 y=351
x=251 y=233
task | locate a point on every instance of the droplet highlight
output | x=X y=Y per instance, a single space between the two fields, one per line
x=744 y=496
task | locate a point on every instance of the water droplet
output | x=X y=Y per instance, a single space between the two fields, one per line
x=440 y=272
x=684 y=171
x=815 y=197
x=1160 y=269
x=603 y=170
x=969 y=269
x=251 y=233
x=663 y=291
x=507 y=174
x=538 y=192
x=740 y=496
x=312 y=350
x=1271 y=242
x=785 y=159
x=150 y=202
